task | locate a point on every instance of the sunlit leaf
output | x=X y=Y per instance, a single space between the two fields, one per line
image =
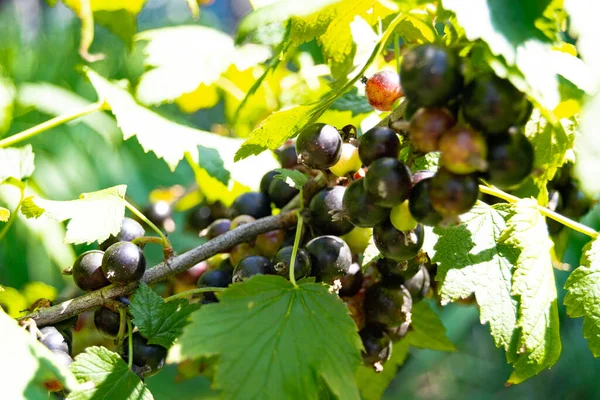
x=16 y=163
x=7 y=97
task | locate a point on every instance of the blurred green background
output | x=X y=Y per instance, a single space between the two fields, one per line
x=40 y=44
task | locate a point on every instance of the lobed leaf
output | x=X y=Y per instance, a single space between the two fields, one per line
x=352 y=101
x=428 y=331
x=292 y=177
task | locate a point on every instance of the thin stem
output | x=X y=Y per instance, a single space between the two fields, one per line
x=141 y=216
x=130 y=340
x=299 y=227
x=194 y=291
x=13 y=216
x=397 y=50
x=122 y=325
x=545 y=211
x=147 y=239
x=54 y=122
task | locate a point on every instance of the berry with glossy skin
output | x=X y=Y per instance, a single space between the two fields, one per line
x=383 y=89
x=378 y=142
x=199 y=218
x=280 y=193
x=123 y=262
x=268 y=244
x=463 y=151
x=419 y=204
x=492 y=104
x=253 y=265
x=149 y=357
x=130 y=229
x=388 y=305
x=510 y=160
x=254 y=204
x=360 y=209
x=352 y=281
x=53 y=339
x=451 y=194
x=319 y=146
x=87 y=271
x=266 y=181
x=395 y=244
x=220 y=277
x=349 y=161
x=107 y=322
x=241 y=220
x=388 y=182
x=287 y=155
x=427 y=126
x=322 y=208
x=283 y=259
x=158 y=213
x=377 y=344
x=389 y=268
x=216 y=228
x=418 y=285
x=330 y=257
x=401 y=218
x=431 y=75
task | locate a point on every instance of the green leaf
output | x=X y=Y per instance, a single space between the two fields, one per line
x=27 y=364
x=7 y=98
x=122 y=23
x=582 y=23
x=211 y=161
x=93 y=217
x=4 y=214
x=104 y=375
x=168 y=385
x=370 y=254
x=372 y=384
x=508 y=28
x=159 y=322
x=588 y=148
x=352 y=101
x=292 y=177
x=471 y=261
x=16 y=163
x=539 y=343
x=428 y=331
x=583 y=295
x=276 y=340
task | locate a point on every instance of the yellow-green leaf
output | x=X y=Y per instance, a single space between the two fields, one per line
x=4 y=214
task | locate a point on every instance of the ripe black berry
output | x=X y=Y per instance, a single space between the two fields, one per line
x=330 y=257
x=217 y=228
x=395 y=244
x=419 y=204
x=283 y=259
x=377 y=143
x=220 y=277
x=53 y=339
x=107 y=322
x=266 y=181
x=388 y=305
x=389 y=268
x=463 y=151
x=319 y=146
x=322 y=208
x=377 y=344
x=254 y=204
x=149 y=357
x=427 y=126
x=388 y=182
x=158 y=213
x=452 y=195
x=360 y=209
x=123 y=262
x=280 y=193
x=287 y=155
x=510 y=160
x=130 y=229
x=431 y=75
x=492 y=104
x=383 y=89
x=418 y=285
x=87 y=271
x=250 y=266
x=352 y=281
x=199 y=218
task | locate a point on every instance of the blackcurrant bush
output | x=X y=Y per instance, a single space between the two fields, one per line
x=254 y=204
x=492 y=104
x=431 y=75
x=352 y=281
x=319 y=146
x=377 y=344
x=388 y=305
x=220 y=277
x=217 y=228
x=360 y=209
x=266 y=181
x=280 y=193
x=349 y=161
x=463 y=151
x=419 y=204
x=383 y=89
x=451 y=194
x=158 y=213
x=87 y=271
x=427 y=126
x=241 y=220
x=510 y=160
x=287 y=155
x=418 y=285
x=377 y=143
x=283 y=259
x=107 y=322
x=395 y=244
x=268 y=244
x=330 y=257
x=401 y=218
x=123 y=262
x=253 y=265
x=53 y=339
x=323 y=207
x=388 y=182
x=130 y=229
x=149 y=357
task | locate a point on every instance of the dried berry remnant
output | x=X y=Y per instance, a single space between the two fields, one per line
x=427 y=126
x=319 y=146
x=87 y=271
x=383 y=89
x=123 y=262
x=377 y=143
